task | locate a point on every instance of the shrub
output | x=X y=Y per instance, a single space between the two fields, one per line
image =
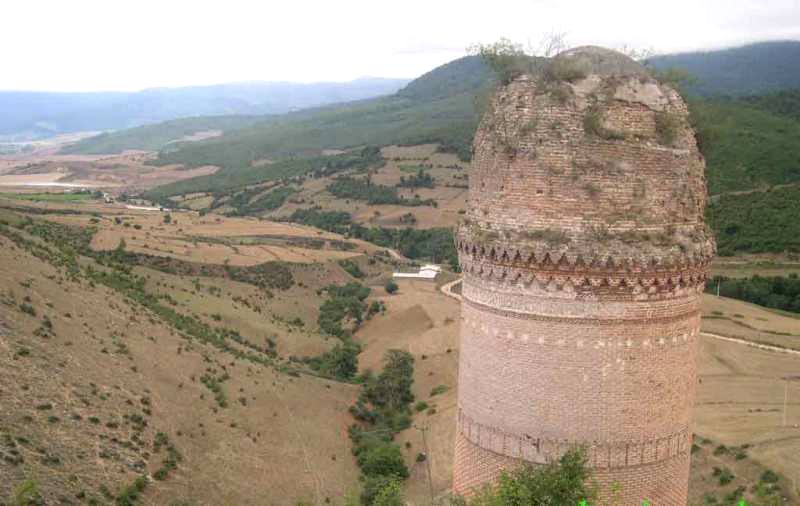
x=439 y=389
x=566 y=69
x=340 y=363
x=27 y=494
x=505 y=58
x=351 y=268
x=375 y=486
x=593 y=125
x=420 y=406
x=382 y=459
x=769 y=476
x=561 y=482
x=724 y=475
x=391 y=287
x=667 y=125
x=27 y=308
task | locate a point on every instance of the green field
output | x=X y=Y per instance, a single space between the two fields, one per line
x=48 y=197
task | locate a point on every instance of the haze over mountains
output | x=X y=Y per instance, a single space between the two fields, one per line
x=31 y=115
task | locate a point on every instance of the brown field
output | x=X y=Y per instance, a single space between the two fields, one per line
x=447 y=171
x=734 y=318
x=127 y=172
x=205 y=239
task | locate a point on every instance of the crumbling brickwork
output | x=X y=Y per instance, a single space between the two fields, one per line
x=584 y=255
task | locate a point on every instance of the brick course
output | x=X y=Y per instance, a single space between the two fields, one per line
x=584 y=259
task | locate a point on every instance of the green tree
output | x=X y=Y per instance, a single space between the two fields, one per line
x=390 y=495
x=391 y=286
x=562 y=482
x=506 y=58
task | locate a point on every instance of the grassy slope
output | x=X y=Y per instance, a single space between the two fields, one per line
x=112 y=357
x=155 y=137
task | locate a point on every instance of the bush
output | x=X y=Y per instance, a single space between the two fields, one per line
x=593 y=125
x=769 y=476
x=352 y=268
x=439 y=389
x=389 y=495
x=667 y=125
x=27 y=308
x=566 y=69
x=391 y=287
x=724 y=475
x=379 y=486
x=339 y=363
x=561 y=482
x=505 y=58
x=382 y=459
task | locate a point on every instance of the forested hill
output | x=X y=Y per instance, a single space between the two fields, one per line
x=748 y=70
x=438 y=106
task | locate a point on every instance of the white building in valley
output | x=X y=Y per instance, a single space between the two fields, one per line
x=427 y=271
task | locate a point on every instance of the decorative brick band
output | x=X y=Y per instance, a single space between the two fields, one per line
x=548 y=258
x=599 y=454
x=590 y=321
x=644 y=284
x=578 y=342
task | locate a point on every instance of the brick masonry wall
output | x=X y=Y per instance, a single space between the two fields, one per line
x=475 y=467
x=584 y=257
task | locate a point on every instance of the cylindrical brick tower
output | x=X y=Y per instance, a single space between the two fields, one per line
x=584 y=254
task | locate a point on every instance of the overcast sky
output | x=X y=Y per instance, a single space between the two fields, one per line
x=87 y=45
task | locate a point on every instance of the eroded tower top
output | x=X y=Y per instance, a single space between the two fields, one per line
x=591 y=159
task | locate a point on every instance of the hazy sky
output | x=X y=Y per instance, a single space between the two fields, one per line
x=86 y=45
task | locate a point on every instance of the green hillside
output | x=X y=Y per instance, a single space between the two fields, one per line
x=757 y=222
x=746 y=145
x=155 y=137
x=749 y=143
x=753 y=69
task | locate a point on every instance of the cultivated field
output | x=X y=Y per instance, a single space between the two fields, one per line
x=128 y=172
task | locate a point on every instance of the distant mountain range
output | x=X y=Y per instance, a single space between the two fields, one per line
x=26 y=115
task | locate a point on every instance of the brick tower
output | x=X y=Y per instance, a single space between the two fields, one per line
x=584 y=254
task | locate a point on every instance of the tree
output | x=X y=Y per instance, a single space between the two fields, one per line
x=382 y=459
x=390 y=495
x=167 y=218
x=507 y=59
x=562 y=482
x=391 y=287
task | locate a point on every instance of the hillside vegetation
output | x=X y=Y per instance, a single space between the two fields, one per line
x=749 y=142
x=745 y=145
x=155 y=137
x=757 y=222
x=747 y=70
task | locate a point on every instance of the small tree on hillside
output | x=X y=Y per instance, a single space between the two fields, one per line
x=391 y=287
